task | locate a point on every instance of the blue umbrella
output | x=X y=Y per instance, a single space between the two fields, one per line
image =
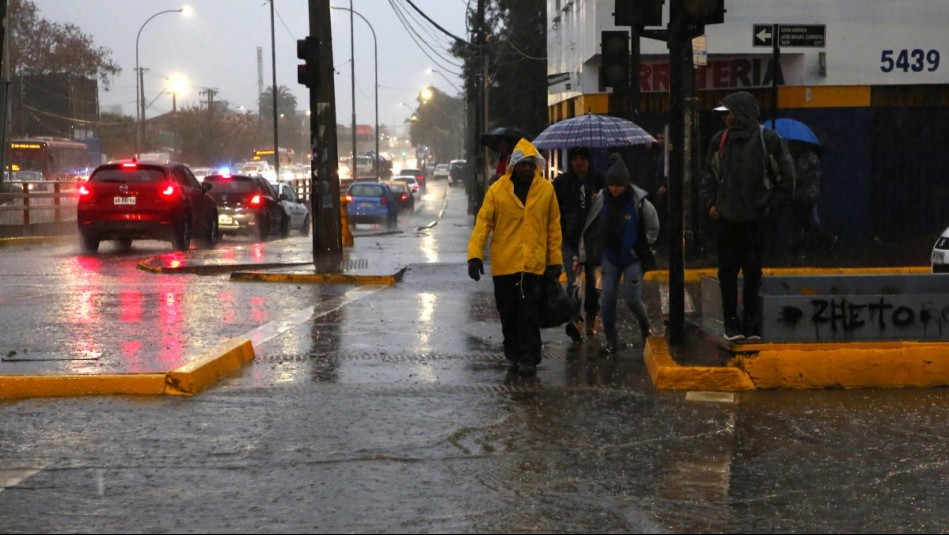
x=592 y=131
x=792 y=130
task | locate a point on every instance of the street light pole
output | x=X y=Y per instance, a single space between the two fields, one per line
x=139 y=84
x=375 y=54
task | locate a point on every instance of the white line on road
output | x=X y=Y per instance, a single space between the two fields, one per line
x=12 y=478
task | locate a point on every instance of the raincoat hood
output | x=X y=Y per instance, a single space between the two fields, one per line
x=525 y=150
x=744 y=107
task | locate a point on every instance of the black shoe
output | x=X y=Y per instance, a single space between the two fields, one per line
x=573 y=332
x=733 y=331
x=752 y=332
x=645 y=330
x=609 y=349
x=511 y=365
x=526 y=369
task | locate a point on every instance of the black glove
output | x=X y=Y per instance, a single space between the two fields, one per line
x=475 y=268
x=553 y=271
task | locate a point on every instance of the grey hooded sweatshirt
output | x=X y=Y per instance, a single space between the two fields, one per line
x=735 y=179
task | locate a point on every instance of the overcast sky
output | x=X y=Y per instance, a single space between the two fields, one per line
x=216 y=47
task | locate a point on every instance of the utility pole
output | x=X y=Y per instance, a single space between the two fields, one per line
x=324 y=172
x=4 y=88
x=480 y=178
x=273 y=59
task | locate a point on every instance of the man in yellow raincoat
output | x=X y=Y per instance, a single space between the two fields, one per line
x=521 y=214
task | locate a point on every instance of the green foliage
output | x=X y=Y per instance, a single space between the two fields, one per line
x=439 y=124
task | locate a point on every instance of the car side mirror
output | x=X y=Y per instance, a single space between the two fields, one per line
x=206 y=186
x=283 y=197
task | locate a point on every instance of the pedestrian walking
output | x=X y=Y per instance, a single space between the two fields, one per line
x=748 y=176
x=620 y=229
x=575 y=190
x=521 y=215
x=807 y=234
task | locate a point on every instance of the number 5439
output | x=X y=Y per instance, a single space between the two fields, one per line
x=909 y=60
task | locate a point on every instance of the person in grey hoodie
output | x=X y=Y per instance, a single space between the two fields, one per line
x=620 y=228
x=748 y=176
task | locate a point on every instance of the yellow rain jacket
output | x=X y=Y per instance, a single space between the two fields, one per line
x=524 y=238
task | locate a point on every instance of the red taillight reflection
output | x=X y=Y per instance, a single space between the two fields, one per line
x=405 y=196
x=83 y=191
x=168 y=191
x=383 y=201
x=255 y=200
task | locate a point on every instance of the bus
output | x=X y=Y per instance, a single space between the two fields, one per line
x=56 y=158
x=267 y=154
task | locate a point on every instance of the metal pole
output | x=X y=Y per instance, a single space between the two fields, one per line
x=352 y=70
x=775 y=59
x=273 y=59
x=375 y=54
x=139 y=89
x=678 y=37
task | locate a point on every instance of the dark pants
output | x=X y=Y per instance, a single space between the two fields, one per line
x=740 y=247
x=519 y=298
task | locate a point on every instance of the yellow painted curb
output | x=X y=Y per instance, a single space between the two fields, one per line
x=207 y=369
x=888 y=365
x=695 y=275
x=304 y=278
x=666 y=374
x=34 y=386
x=32 y=240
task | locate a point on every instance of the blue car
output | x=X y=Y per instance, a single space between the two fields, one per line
x=372 y=202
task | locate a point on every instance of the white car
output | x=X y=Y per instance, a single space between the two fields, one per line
x=295 y=207
x=442 y=171
x=940 y=255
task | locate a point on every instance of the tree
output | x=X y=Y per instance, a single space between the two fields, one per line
x=38 y=46
x=216 y=138
x=439 y=124
x=289 y=126
x=286 y=102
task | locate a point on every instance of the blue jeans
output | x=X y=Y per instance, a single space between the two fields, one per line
x=630 y=289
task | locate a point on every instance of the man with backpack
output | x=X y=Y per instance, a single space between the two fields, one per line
x=748 y=176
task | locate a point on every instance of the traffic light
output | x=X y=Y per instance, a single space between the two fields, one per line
x=702 y=12
x=614 y=60
x=638 y=13
x=308 y=74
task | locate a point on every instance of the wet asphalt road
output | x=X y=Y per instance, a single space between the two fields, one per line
x=393 y=413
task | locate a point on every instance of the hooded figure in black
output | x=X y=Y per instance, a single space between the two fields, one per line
x=748 y=176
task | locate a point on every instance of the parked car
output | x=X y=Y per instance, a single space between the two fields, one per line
x=137 y=200
x=404 y=195
x=409 y=181
x=419 y=175
x=372 y=202
x=456 y=172
x=940 y=254
x=442 y=171
x=248 y=205
x=32 y=180
x=295 y=208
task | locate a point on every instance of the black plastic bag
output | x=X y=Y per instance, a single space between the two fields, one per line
x=556 y=309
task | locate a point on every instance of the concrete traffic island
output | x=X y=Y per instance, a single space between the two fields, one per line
x=859 y=329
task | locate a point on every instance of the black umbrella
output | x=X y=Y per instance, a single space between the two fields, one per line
x=491 y=138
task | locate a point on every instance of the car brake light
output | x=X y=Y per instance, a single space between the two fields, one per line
x=383 y=201
x=130 y=165
x=168 y=191
x=255 y=200
x=349 y=198
x=83 y=191
x=405 y=196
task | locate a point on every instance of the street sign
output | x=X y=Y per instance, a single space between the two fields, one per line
x=790 y=35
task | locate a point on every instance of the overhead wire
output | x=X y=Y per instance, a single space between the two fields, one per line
x=423 y=44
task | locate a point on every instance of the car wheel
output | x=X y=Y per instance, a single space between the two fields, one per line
x=214 y=232
x=285 y=226
x=124 y=243
x=181 y=241
x=263 y=227
x=305 y=230
x=89 y=243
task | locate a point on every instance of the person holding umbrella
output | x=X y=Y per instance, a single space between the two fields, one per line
x=575 y=191
x=520 y=213
x=806 y=231
x=748 y=176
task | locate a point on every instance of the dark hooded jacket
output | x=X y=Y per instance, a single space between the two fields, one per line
x=740 y=178
x=575 y=196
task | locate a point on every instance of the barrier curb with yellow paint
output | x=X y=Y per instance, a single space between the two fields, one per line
x=304 y=278
x=803 y=366
x=695 y=275
x=188 y=380
x=32 y=240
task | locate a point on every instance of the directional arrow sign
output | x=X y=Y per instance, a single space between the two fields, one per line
x=792 y=35
x=763 y=35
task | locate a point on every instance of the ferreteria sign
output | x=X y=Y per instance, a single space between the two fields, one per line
x=730 y=73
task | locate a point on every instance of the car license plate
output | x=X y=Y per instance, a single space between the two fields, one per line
x=365 y=205
x=939 y=257
x=124 y=200
x=225 y=220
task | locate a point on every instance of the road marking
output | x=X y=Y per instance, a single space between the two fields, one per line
x=12 y=478
x=275 y=328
